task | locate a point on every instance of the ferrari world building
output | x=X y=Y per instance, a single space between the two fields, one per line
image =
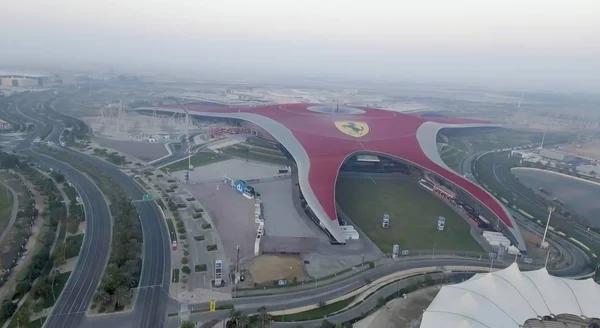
x=321 y=138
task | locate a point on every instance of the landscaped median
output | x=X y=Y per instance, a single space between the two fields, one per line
x=122 y=273
x=349 y=300
x=39 y=281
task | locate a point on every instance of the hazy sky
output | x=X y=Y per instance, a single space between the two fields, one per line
x=526 y=41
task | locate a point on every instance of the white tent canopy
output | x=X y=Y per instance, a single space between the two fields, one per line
x=509 y=297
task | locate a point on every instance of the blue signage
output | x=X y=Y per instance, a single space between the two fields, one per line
x=240 y=186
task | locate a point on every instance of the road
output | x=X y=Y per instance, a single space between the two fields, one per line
x=313 y=296
x=152 y=298
x=73 y=302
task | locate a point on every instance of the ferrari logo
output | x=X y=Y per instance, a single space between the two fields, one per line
x=353 y=128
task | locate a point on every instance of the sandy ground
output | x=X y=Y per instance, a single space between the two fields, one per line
x=146 y=151
x=399 y=313
x=533 y=241
x=10 y=284
x=272 y=267
x=588 y=149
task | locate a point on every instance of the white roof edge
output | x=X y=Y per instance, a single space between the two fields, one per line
x=487 y=303
x=289 y=141
x=427 y=138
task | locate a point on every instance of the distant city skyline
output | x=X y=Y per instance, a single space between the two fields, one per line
x=522 y=43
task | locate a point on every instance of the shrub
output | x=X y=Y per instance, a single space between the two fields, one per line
x=211 y=247
x=200 y=267
x=184 y=260
x=199 y=238
x=206 y=226
x=186 y=269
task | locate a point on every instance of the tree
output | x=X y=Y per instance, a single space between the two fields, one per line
x=37 y=307
x=381 y=301
x=122 y=296
x=8 y=309
x=187 y=324
x=102 y=296
x=242 y=322
x=234 y=315
x=322 y=303
x=263 y=316
x=23 y=315
x=43 y=288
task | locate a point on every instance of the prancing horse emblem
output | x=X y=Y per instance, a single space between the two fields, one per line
x=353 y=128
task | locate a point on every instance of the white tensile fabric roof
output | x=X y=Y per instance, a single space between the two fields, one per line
x=509 y=297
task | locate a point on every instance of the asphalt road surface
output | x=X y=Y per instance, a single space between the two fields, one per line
x=75 y=298
x=73 y=302
x=152 y=298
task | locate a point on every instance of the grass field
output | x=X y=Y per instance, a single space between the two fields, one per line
x=197 y=160
x=6 y=201
x=59 y=283
x=73 y=245
x=413 y=215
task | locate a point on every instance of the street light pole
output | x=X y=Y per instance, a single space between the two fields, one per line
x=550 y=210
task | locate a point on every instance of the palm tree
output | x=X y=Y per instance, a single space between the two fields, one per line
x=263 y=316
x=38 y=307
x=102 y=297
x=23 y=315
x=121 y=296
x=187 y=324
x=234 y=315
x=242 y=322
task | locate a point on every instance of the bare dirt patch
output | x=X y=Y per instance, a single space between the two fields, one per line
x=401 y=313
x=272 y=267
x=590 y=149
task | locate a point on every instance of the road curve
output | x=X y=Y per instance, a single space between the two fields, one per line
x=72 y=303
x=75 y=298
x=153 y=295
x=13 y=212
x=151 y=302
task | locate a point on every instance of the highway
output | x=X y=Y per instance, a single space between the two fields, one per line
x=73 y=302
x=152 y=298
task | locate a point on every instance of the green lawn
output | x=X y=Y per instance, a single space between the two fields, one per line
x=59 y=283
x=197 y=160
x=73 y=245
x=6 y=201
x=413 y=215
x=175 y=277
x=171 y=227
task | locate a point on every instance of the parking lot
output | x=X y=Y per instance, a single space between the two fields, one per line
x=233 y=218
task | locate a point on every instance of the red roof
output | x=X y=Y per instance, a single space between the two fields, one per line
x=389 y=133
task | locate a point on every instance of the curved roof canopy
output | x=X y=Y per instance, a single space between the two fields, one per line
x=509 y=297
x=321 y=138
